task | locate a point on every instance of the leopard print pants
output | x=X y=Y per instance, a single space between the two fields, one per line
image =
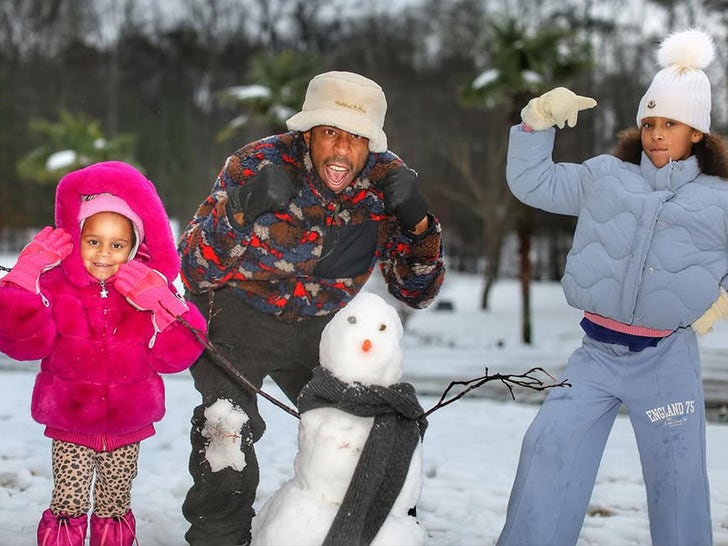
x=73 y=473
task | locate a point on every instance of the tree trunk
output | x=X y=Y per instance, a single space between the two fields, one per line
x=493 y=244
x=488 y=280
x=524 y=240
x=525 y=234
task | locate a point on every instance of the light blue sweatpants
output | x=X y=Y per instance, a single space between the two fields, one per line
x=662 y=389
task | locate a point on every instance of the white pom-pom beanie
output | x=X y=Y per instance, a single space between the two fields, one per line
x=681 y=90
x=345 y=100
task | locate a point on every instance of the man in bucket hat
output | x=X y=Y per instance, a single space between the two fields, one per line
x=292 y=229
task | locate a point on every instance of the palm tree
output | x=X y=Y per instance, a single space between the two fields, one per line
x=278 y=85
x=72 y=142
x=522 y=64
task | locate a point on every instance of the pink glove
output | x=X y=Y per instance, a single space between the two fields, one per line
x=44 y=252
x=148 y=290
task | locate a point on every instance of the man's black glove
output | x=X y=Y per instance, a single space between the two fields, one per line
x=269 y=190
x=402 y=197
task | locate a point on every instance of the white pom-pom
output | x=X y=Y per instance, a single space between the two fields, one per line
x=687 y=49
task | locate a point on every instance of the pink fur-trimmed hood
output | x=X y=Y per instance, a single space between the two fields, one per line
x=157 y=249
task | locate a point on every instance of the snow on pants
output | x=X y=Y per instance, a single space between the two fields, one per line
x=662 y=390
x=219 y=505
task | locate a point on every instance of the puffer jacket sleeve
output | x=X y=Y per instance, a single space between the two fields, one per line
x=27 y=327
x=177 y=347
x=536 y=180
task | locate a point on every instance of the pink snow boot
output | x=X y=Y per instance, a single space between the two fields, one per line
x=61 y=530
x=116 y=531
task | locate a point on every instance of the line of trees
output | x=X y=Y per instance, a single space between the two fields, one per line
x=159 y=84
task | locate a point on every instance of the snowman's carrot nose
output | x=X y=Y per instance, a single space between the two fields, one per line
x=366 y=345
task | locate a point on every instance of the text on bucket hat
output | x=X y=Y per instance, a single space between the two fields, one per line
x=681 y=90
x=106 y=202
x=347 y=101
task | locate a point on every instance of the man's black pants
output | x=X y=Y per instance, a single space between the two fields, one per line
x=219 y=505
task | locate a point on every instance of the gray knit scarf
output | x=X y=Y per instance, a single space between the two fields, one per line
x=399 y=424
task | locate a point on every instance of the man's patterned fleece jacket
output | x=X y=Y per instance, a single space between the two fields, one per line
x=311 y=258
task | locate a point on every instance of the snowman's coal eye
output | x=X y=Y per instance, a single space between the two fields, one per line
x=382 y=327
x=351 y=319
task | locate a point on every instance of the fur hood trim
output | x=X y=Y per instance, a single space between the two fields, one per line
x=157 y=250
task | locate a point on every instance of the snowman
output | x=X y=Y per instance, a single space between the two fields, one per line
x=358 y=470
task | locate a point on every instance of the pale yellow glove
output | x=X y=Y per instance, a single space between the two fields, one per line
x=555 y=107
x=717 y=311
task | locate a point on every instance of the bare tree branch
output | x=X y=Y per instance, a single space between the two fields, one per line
x=527 y=380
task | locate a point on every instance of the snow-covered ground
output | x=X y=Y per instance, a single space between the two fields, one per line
x=470 y=450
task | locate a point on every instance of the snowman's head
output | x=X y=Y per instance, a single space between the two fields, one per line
x=361 y=343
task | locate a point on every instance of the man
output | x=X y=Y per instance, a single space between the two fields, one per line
x=292 y=229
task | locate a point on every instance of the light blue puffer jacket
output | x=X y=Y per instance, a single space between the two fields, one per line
x=651 y=245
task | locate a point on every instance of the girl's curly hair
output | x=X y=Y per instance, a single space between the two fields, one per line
x=711 y=151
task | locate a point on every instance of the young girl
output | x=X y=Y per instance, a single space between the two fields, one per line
x=92 y=299
x=650 y=253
